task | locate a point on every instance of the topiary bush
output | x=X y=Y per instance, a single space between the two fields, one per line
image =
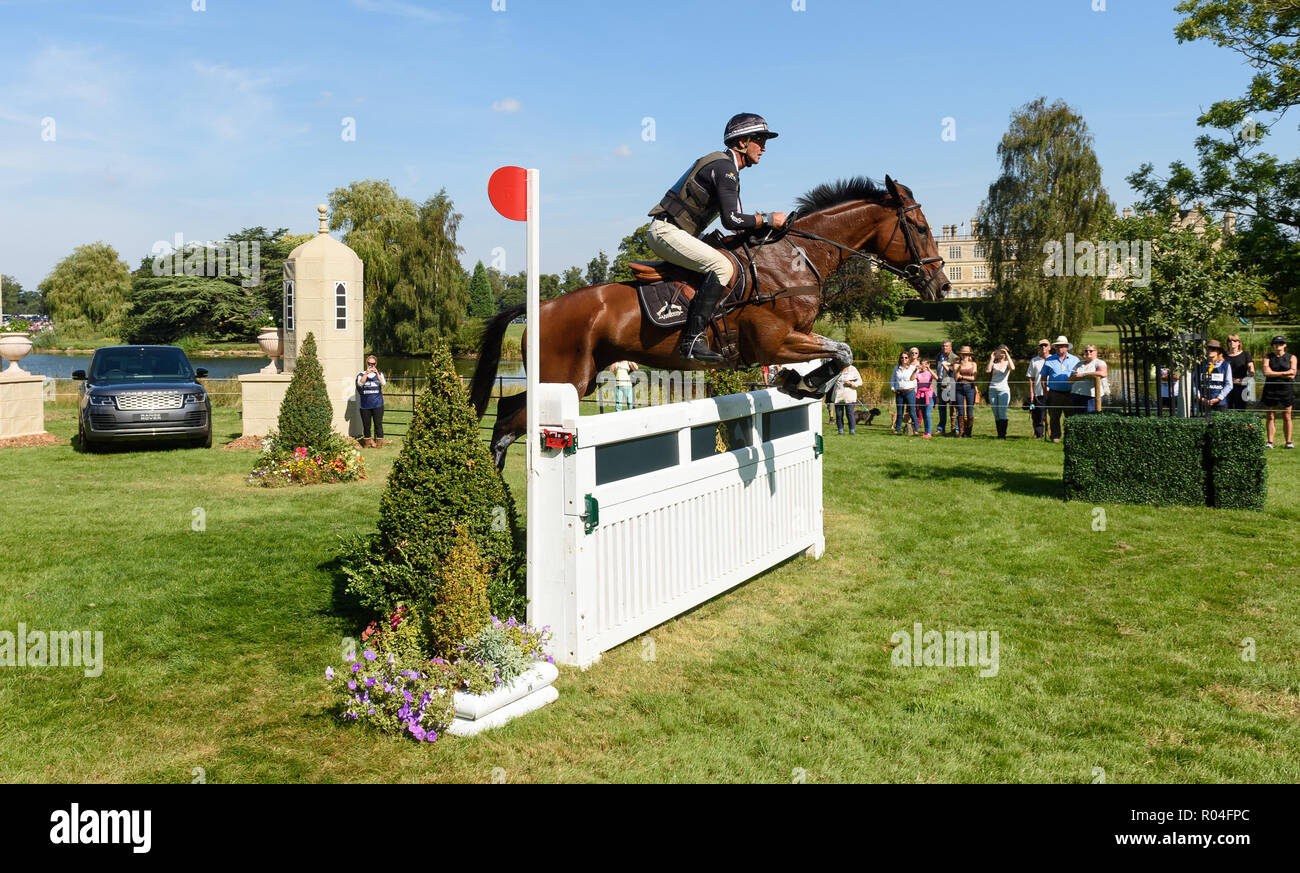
x=443 y=484
x=1216 y=461
x=1238 y=472
x=460 y=604
x=306 y=414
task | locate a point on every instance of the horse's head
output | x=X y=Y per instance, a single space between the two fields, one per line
x=905 y=242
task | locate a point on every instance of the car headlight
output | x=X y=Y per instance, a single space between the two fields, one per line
x=103 y=400
x=195 y=398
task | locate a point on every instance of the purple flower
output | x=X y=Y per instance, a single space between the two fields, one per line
x=370 y=682
x=356 y=667
x=430 y=736
x=352 y=686
x=409 y=697
x=417 y=731
x=405 y=712
x=329 y=672
x=369 y=654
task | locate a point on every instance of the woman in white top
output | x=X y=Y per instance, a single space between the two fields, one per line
x=999 y=369
x=904 y=385
x=846 y=398
x=1083 y=385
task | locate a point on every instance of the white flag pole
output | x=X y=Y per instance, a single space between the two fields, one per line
x=532 y=374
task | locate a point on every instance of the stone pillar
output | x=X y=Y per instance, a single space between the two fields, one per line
x=22 y=405
x=322 y=296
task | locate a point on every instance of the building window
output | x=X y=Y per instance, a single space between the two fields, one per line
x=954 y=273
x=288 y=304
x=341 y=305
x=979 y=251
x=981 y=273
x=954 y=253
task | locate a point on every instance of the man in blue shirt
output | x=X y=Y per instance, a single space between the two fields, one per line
x=1056 y=379
x=1216 y=380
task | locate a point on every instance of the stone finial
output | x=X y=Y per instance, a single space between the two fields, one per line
x=1128 y=212
x=1173 y=201
x=324 y=222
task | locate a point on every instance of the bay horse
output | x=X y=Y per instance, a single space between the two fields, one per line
x=587 y=329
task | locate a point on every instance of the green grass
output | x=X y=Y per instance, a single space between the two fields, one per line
x=1118 y=649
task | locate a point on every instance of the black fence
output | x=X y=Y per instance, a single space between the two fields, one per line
x=1160 y=374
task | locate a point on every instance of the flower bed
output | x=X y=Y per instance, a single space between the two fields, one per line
x=338 y=460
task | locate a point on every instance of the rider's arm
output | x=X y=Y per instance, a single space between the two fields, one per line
x=726 y=184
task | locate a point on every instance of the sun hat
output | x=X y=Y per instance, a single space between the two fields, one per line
x=1062 y=341
x=1278 y=339
x=1214 y=345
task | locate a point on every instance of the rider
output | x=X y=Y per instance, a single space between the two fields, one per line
x=710 y=187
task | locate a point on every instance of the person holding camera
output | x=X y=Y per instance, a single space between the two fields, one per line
x=370 y=388
x=999 y=369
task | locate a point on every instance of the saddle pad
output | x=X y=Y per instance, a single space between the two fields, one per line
x=663 y=303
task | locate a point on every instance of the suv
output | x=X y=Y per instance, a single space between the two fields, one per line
x=142 y=393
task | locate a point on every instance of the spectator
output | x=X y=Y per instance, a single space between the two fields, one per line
x=370 y=385
x=846 y=397
x=1037 y=394
x=964 y=372
x=925 y=382
x=1243 y=373
x=1279 y=390
x=999 y=367
x=623 y=395
x=1216 y=381
x=946 y=393
x=1056 y=379
x=1168 y=388
x=904 y=385
x=915 y=354
x=1085 y=390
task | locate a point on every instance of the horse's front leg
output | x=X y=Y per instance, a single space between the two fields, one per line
x=799 y=347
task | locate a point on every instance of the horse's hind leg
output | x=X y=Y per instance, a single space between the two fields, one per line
x=511 y=411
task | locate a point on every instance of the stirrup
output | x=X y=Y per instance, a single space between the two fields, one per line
x=697 y=348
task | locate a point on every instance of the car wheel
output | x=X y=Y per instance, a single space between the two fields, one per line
x=87 y=444
x=205 y=441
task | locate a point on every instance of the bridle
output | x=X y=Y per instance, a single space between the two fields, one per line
x=912 y=272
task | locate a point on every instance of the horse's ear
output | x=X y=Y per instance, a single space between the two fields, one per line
x=892 y=187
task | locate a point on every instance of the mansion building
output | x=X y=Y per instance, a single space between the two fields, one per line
x=964 y=257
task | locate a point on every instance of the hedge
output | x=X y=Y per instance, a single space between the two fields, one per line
x=1216 y=461
x=940 y=310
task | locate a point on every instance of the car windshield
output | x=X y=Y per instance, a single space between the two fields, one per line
x=141 y=365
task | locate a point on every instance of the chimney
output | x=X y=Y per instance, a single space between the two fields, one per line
x=1128 y=212
x=1229 y=223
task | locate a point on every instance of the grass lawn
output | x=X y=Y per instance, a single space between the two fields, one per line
x=1118 y=648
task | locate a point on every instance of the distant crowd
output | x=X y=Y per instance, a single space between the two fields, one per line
x=1059 y=385
x=36 y=324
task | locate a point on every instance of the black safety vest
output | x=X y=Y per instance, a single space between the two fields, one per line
x=690 y=205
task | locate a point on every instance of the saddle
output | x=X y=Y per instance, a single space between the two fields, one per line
x=666 y=291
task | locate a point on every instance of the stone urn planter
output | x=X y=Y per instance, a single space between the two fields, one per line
x=13 y=348
x=271 y=339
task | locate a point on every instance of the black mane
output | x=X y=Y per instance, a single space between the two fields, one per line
x=831 y=194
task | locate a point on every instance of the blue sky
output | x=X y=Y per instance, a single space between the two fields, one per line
x=169 y=120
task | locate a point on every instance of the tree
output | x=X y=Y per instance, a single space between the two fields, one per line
x=1049 y=186
x=86 y=292
x=1233 y=171
x=548 y=286
x=632 y=248
x=163 y=309
x=480 y=294
x=306 y=414
x=12 y=294
x=857 y=290
x=598 y=269
x=1193 y=277
x=571 y=280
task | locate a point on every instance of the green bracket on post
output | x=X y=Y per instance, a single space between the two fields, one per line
x=817 y=444
x=592 y=517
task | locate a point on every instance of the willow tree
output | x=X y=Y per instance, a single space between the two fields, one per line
x=86 y=293
x=1048 y=195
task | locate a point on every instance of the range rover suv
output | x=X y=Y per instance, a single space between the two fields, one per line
x=142 y=393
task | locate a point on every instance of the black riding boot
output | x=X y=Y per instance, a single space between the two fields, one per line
x=693 y=344
x=1002 y=428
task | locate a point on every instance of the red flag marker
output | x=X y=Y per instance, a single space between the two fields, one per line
x=508 y=191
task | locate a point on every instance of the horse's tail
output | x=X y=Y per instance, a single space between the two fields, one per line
x=489 y=356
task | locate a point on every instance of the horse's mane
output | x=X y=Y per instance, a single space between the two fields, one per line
x=830 y=194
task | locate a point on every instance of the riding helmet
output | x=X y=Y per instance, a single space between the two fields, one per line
x=746 y=124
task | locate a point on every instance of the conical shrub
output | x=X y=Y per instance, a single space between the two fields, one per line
x=461 y=607
x=443 y=479
x=306 y=415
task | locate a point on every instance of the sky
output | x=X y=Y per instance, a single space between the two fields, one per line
x=133 y=122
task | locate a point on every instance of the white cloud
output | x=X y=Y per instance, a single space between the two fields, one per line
x=509 y=104
x=406 y=10
x=623 y=151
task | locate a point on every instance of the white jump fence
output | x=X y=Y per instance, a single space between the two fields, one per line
x=648 y=515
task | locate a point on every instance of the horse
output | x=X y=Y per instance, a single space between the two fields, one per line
x=587 y=329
